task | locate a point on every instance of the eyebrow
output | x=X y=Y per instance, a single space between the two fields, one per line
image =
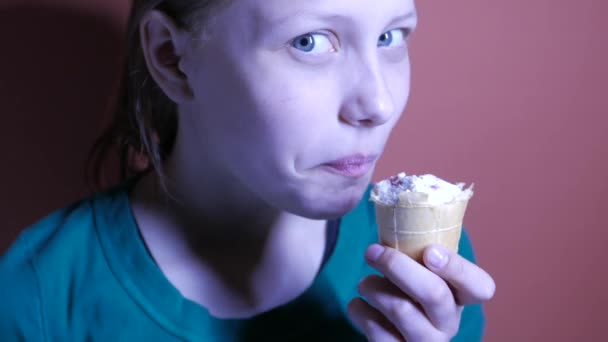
x=404 y=17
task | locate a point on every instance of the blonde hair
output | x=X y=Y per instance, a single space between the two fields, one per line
x=144 y=121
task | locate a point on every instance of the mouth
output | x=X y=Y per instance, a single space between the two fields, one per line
x=354 y=166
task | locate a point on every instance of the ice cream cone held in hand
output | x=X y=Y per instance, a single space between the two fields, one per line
x=413 y=212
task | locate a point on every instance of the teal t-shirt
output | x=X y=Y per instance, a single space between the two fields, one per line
x=83 y=274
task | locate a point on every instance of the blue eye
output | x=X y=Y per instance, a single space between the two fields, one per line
x=395 y=37
x=305 y=42
x=316 y=43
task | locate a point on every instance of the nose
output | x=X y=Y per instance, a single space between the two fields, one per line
x=370 y=102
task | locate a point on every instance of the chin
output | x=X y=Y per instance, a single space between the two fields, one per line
x=325 y=204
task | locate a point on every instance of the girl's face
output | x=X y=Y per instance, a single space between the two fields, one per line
x=294 y=100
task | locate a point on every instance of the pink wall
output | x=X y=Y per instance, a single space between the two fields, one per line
x=501 y=90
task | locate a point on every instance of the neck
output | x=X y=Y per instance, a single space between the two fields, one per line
x=228 y=251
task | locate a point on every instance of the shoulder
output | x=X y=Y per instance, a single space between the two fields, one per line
x=49 y=235
x=39 y=266
x=64 y=232
x=20 y=314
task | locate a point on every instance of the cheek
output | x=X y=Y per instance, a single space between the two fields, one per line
x=295 y=112
x=399 y=80
x=264 y=127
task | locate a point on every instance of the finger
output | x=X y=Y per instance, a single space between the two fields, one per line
x=422 y=285
x=405 y=314
x=371 y=322
x=470 y=282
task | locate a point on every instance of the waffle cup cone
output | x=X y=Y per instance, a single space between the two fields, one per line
x=414 y=224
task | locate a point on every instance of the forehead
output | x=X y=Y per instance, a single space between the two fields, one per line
x=278 y=11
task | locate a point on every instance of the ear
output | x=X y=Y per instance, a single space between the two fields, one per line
x=163 y=45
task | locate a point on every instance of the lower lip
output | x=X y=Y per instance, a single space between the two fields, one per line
x=349 y=170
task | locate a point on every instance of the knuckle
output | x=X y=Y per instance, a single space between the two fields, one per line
x=390 y=260
x=443 y=338
x=437 y=294
x=456 y=268
x=373 y=335
x=426 y=336
x=453 y=325
x=482 y=290
x=400 y=311
x=377 y=336
x=436 y=336
x=369 y=328
x=452 y=328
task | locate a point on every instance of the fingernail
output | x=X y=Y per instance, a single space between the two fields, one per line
x=374 y=252
x=436 y=257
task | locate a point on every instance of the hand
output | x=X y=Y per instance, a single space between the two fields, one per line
x=416 y=303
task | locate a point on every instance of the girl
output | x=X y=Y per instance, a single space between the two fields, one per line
x=245 y=215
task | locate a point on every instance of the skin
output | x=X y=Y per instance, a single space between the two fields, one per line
x=259 y=119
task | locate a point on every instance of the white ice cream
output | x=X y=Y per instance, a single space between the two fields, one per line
x=438 y=191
